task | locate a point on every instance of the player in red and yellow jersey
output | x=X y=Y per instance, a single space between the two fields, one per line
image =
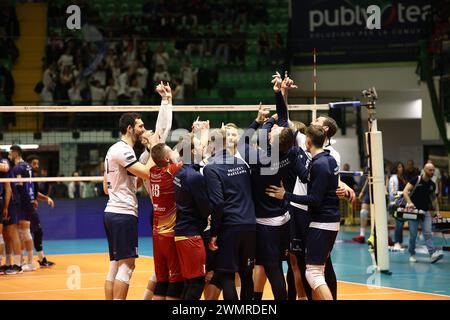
x=169 y=281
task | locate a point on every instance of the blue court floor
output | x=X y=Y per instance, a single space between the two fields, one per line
x=351 y=261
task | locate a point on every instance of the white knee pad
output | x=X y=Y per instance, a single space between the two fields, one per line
x=21 y=233
x=315 y=276
x=124 y=273
x=153 y=278
x=27 y=235
x=2 y=242
x=364 y=213
x=113 y=268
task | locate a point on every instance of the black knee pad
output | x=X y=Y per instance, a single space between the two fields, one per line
x=37 y=239
x=175 y=289
x=161 y=289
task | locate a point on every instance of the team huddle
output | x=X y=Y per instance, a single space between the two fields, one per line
x=227 y=209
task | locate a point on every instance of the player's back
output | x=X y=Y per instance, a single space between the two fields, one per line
x=324 y=170
x=121 y=183
x=25 y=190
x=232 y=176
x=163 y=198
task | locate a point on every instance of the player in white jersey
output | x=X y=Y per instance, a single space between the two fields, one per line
x=120 y=220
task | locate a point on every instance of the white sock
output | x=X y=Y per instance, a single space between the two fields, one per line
x=362 y=232
x=41 y=255
x=238 y=290
x=8 y=259
x=17 y=260
x=30 y=256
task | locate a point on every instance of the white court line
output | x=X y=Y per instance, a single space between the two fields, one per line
x=60 y=290
x=405 y=290
x=60 y=275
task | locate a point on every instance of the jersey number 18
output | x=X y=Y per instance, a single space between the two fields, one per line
x=155 y=190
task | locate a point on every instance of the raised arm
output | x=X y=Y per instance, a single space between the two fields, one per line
x=165 y=115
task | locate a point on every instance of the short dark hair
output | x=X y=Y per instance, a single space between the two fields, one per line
x=286 y=140
x=158 y=153
x=331 y=124
x=128 y=119
x=317 y=135
x=17 y=149
x=32 y=157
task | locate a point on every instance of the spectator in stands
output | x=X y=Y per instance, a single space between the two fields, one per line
x=97 y=93
x=44 y=187
x=65 y=82
x=59 y=190
x=161 y=57
x=75 y=94
x=135 y=91
x=411 y=171
x=208 y=41
x=141 y=75
x=178 y=92
x=397 y=183
x=66 y=60
x=189 y=78
x=161 y=74
x=123 y=88
x=348 y=179
x=263 y=49
x=277 y=50
x=76 y=188
x=111 y=93
x=238 y=46
x=196 y=45
x=223 y=46
x=8 y=86
x=129 y=54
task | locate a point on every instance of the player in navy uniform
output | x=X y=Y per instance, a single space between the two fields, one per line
x=5 y=199
x=192 y=211
x=232 y=219
x=26 y=193
x=35 y=221
x=324 y=209
x=10 y=227
x=272 y=216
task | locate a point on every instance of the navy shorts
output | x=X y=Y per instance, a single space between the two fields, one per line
x=13 y=214
x=319 y=245
x=122 y=234
x=26 y=212
x=272 y=244
x=300 y=220
x=236 y=251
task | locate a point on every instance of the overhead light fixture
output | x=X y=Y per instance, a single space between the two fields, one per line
x=23 y=146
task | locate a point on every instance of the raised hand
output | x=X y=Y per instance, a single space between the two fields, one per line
x=164 y=90
x=277 y=82
x=263 y=114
